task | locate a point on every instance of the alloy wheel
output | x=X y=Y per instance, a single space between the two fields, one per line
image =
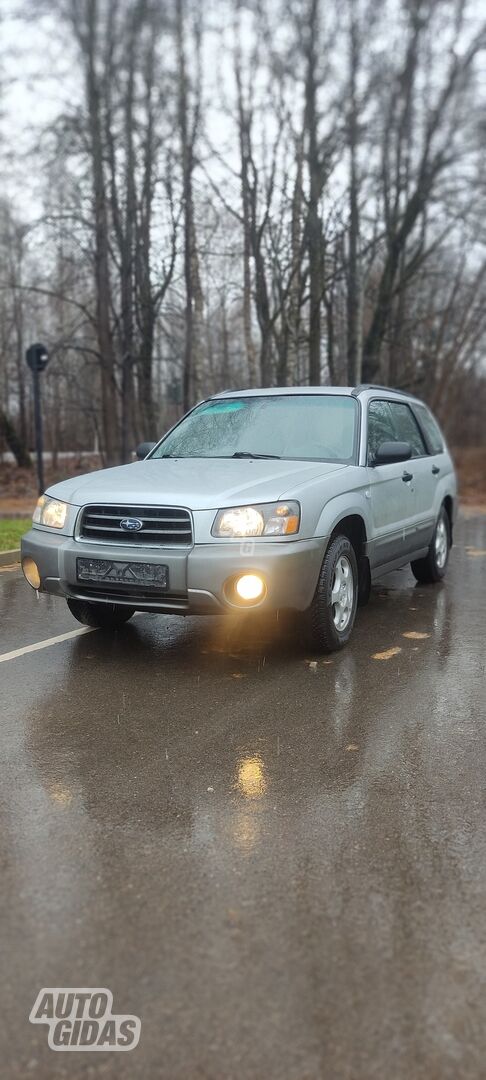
x=342 y=593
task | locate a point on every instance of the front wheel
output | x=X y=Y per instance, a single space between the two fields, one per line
x=101 y=616
x=332 y=612
x=433 y=567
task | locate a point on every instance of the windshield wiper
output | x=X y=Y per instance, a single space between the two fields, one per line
x=246 y=454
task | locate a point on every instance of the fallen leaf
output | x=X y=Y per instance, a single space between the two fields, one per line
x=387 y=653
x=61 y=794
x=352 y=746
x=415 y=635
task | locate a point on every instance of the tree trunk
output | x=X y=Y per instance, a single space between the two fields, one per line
x=101 y=255
x=244 y=122
x=354 y=284
x=314 y=225
x=188 y=125
x=14 y=442
x=293 y=318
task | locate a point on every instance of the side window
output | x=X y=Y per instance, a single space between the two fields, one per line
x=380 y=426
x=406 y=428
x=431 y=428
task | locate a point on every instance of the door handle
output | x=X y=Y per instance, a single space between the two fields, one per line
x=407 y=476
x=435 y=470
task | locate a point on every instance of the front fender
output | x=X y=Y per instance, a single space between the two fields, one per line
x=341 y=506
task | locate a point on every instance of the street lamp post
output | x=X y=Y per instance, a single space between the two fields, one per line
x=37 y=358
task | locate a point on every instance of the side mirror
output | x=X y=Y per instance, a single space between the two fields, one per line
x=390 y=452
x=143 y=449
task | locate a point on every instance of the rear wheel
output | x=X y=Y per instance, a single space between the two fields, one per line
x=332 y=612
x=433 y=567
x=102 y=616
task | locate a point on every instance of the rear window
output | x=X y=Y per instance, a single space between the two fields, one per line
x=433 y=435
x=406 y=427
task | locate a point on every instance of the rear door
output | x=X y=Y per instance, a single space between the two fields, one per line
x=392 y=495
x=438 y=461
x=424 y=479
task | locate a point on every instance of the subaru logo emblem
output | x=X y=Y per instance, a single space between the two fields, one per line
x=131 y=524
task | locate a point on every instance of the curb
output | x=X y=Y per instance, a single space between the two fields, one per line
x=8 y=558
x=15 y=515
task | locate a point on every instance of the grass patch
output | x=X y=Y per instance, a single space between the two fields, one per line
x=11 y=529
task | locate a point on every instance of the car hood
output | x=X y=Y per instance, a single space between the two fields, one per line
x=196 y=483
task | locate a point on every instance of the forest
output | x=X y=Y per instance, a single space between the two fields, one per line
x=239 y=193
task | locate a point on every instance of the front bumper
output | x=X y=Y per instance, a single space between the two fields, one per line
x=196 y=576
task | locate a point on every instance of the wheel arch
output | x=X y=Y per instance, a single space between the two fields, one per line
x=353 y=526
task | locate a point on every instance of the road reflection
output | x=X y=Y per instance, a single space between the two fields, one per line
x=140 y=721
x=250 y=783
x=250 y=777
x=204 y=805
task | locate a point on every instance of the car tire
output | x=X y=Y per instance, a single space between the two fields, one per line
x=101 y=616
x=433 y=567
x=329 y=623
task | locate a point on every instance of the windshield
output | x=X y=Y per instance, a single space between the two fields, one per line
x=310 y=427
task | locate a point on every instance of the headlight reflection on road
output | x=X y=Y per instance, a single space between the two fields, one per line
x=246 y=831
x=250 y=782
x=250 y=777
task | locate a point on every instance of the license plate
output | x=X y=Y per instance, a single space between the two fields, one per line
x=104 y=571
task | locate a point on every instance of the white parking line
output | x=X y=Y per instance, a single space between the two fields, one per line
x=46 y=643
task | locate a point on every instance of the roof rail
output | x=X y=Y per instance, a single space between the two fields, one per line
x=378 y=386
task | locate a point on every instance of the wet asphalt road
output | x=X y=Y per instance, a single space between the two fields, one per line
x=280 y=866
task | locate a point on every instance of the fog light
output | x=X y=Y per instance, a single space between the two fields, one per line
x=249 y=587
x=31 y=572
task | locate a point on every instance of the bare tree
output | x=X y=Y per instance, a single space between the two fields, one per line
x=189 y=110
x=330 y=228
x=408 y=188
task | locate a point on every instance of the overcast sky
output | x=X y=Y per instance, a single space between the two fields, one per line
x=31 y=97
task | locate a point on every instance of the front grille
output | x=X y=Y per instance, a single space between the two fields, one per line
x=161 y=526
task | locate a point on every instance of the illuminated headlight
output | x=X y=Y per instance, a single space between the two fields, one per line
x=50 y=512
x=269 y=519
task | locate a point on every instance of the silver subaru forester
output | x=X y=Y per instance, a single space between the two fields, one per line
x=289 y=498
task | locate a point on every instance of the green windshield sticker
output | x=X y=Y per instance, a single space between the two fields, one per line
x=222 y=406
